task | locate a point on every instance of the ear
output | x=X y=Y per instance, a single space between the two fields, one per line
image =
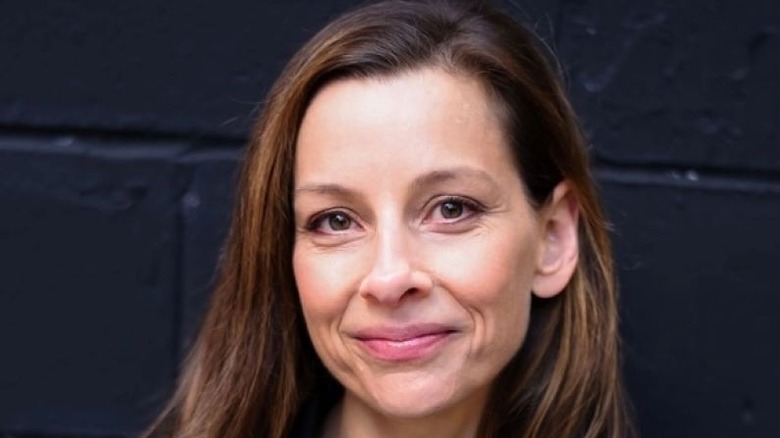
x=559 y=249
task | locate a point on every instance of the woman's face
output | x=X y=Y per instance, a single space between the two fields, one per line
x=416 y=248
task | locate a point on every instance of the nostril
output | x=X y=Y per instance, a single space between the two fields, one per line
x=391 y=290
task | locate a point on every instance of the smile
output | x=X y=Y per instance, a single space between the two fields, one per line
x=404 y=344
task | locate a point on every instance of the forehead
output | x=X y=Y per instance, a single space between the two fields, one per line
x=417 y=121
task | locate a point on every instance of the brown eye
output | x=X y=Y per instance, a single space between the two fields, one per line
x=451 y=209
x=339 y=222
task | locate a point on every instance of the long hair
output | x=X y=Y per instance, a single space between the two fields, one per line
x=252 y=365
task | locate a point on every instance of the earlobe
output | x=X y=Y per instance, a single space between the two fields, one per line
x=559 y=251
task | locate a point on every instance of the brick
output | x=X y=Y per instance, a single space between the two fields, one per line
x=701 y=308
x=148 y=66
x=682 y=83
x=88 y=249
x=206 y=209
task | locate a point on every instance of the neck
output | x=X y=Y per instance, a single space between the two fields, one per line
x=354 y=419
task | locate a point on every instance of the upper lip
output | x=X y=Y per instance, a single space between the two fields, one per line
x=402 y=333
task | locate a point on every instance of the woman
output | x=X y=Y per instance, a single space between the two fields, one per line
x=417 y=247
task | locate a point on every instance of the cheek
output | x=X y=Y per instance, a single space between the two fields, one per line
x=322 y=286
x=322 y=302
x=487 y=269
x=491 y=277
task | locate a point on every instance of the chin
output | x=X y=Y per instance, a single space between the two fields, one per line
x=404 y=397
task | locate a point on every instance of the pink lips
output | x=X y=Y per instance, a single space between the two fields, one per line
x=401 y=344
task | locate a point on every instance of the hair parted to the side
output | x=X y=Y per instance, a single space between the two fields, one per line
x=252 y=365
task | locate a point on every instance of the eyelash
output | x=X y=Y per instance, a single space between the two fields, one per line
x=316 y=222
x=469 y=206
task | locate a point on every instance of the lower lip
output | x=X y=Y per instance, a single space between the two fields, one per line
x=411 y=349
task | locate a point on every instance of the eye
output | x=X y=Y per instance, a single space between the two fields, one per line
x=453 y=209
x=331 y=222
x=338 y=221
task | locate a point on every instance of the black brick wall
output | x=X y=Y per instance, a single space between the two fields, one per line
x=121 y=124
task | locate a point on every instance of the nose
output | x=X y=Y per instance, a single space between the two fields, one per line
x=393 y=274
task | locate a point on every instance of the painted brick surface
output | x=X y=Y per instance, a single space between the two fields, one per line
x=206 y=209
x=677 y=83
x=700 y=303
x=88 y=258
x=147 y=66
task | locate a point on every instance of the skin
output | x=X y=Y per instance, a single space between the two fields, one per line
x=409 y=210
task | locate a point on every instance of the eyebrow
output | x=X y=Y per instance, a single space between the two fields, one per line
x=326 y=189
x=455 y=173
x=428 y=179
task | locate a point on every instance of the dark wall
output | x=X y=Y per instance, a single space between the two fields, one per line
x=121 y=124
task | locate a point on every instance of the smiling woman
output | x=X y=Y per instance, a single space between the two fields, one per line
x=417 y=247
x=415 y=268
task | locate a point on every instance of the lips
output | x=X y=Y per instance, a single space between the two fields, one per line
x=404 y=344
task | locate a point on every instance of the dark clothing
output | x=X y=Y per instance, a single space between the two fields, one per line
x=309 y=422
x=311 y=418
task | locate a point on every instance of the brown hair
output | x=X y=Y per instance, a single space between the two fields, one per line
x=252 y=365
